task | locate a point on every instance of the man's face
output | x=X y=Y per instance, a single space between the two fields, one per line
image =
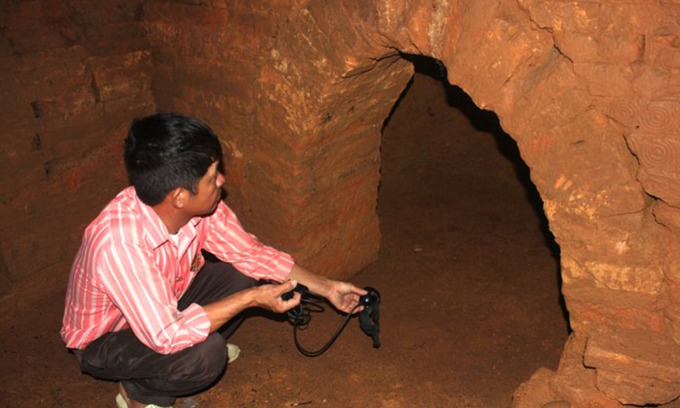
x=208 y=192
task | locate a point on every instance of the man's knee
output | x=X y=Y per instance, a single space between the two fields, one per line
x=215 y=281
x=208 y=359
x=228 y=277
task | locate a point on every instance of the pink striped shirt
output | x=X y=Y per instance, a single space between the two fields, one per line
x=130 y=273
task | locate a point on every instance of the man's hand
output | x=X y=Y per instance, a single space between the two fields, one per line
x=265 y=296
x=343 y=295
x=269 y=296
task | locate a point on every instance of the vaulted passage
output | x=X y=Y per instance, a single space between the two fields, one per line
x=467 y=263
x=298 y=92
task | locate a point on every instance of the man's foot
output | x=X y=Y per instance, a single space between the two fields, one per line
x=232 y=352
x=123 y=401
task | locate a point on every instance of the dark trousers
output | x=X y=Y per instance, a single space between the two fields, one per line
x=153 y=378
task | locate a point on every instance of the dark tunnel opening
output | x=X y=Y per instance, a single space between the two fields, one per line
x=463 y=226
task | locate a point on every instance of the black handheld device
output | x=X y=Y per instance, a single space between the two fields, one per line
x=299 y=316
x=369 y=318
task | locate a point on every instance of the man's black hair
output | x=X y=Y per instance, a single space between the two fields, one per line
x=167 y=150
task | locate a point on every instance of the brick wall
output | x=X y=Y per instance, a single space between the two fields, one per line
x=298 y=91
x=73 y=75
x=302 y=155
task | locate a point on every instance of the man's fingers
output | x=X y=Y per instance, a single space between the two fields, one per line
x=297 y=297
x=287 y=286
x=279 y=289
x=289 y=302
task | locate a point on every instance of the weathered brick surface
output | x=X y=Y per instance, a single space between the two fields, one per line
x=634 y=390
x=298 y=92
x=592 y=111
x=634 y=352
x=575 y=382
x=537 y=392
x=74 y=74
x=635 y=366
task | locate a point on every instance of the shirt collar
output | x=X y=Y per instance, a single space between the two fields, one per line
x=156 y=233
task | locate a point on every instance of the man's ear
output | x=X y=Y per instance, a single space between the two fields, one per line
x=178 y=197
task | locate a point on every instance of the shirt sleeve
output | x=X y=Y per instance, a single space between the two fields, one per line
x=227 y=240
x=145 y=298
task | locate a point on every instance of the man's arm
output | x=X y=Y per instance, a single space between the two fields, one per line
x=231 y=243
x=265 y=296
x=142 y=294
x=343 y=295
x=227 y=240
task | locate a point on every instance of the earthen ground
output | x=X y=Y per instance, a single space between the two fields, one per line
x=468 y=274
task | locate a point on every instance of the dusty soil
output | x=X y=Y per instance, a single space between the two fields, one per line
x=468 y=274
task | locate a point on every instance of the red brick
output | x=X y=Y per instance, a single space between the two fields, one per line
x=117 y=38
x=139 y=104
x=93 y=15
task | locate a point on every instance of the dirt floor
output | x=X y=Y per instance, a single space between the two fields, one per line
x=468 y=274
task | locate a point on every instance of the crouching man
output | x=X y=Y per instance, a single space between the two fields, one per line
x=143 y=306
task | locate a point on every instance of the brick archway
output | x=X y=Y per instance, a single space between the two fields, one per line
x=581 y=97
x=299 y=91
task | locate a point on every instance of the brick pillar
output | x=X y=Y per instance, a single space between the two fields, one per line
x=298 y=96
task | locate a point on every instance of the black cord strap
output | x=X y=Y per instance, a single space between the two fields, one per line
x=326 y=346
x=300 y=316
